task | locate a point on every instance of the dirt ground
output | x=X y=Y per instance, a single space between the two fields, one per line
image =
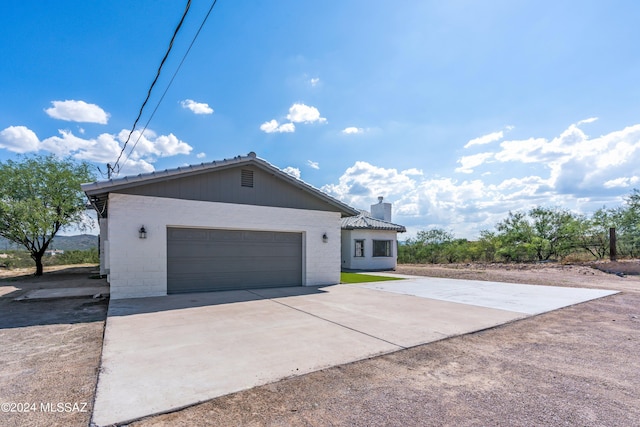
x=575 y=366
x=49 y=349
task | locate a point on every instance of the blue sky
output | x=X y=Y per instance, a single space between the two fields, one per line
x=454 y=111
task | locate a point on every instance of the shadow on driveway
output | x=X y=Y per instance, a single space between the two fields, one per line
x=128 y=307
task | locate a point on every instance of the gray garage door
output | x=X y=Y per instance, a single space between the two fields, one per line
x=212 y=260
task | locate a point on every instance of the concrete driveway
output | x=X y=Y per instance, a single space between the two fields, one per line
x=165 y=353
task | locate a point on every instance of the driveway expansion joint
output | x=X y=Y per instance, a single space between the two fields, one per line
x=400 y=347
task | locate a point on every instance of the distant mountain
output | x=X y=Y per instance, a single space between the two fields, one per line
x=66 y=243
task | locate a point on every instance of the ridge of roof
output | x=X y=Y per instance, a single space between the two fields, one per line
x=106 y=186
x=92 y=187
x=363 y=221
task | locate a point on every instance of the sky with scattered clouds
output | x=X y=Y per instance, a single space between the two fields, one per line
x=454 y=111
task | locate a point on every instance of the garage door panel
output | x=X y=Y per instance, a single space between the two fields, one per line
x=231 y=254
x=231 y=280
x=231 y=265
x=212 y=259
x=195 y=251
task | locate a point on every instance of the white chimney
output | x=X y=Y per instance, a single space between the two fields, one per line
x=381 y=210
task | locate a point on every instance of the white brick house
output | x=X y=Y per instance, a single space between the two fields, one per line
x=232 y=224
x=369 y=240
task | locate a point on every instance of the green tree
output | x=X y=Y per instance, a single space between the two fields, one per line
x=515 y=236
x=457 y=250
x=431 y=244
x=39 y=195
x=554 y=231
x=627 y=223
x=488 y=245
x=428 y=246
x=592 y=232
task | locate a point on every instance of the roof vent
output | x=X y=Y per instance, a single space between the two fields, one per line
x=246 y=178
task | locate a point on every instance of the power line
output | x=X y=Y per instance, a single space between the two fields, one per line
x=166 y=55
x=170 y=81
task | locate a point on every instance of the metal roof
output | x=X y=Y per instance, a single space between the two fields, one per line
x=98 y=191
x=365 y=222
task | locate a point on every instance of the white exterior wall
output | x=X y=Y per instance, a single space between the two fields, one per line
x=381 y=211
x=138 y=267
x=104 y=246
x=368 y=262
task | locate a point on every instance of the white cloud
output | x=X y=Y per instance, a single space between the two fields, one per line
x=135 y=167
x=77 y=111
x=65 y=144
x=314 y=81
x=589 y=120
x=201 y=155
x=412 y=172
x=420 y=202
x=313 y=165
x=485 y=139
x=469 y=162
x=106 y=149
x=524 y=151
x=270 y=126
x=298 y=113
x=273 y=126
x=150 y=145
x=196 y=107
x=301 y=113
x=577 y=162
x=287 y=127
x=295 y=172
x=170 y=145
x=351 y=130
x=363 y=182
x=103 y=149
x=19 y=139
x=623 y=182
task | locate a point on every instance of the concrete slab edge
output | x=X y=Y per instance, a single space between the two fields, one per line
x=91 y=293
x=99 y=371
x=180 y=408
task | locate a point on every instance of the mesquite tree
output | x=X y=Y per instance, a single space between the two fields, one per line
x=39 y=195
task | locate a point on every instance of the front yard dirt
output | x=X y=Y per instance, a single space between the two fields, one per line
x=49 y=350
x=575 y=366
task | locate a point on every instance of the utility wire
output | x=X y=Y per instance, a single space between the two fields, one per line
x=172 y=79
x=166 y=55
x=184 y=57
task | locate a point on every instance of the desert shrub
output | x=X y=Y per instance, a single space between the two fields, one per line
x=17 y=259
x=89 y=256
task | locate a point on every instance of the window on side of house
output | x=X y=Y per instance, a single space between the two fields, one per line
x=382 y=248
x=359 y=249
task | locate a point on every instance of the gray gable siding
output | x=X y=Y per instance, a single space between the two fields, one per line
x=224 y=185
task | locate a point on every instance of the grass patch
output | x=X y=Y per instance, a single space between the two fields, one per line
x=363 y=278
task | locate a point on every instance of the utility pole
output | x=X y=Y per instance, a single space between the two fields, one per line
x=613 y=255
